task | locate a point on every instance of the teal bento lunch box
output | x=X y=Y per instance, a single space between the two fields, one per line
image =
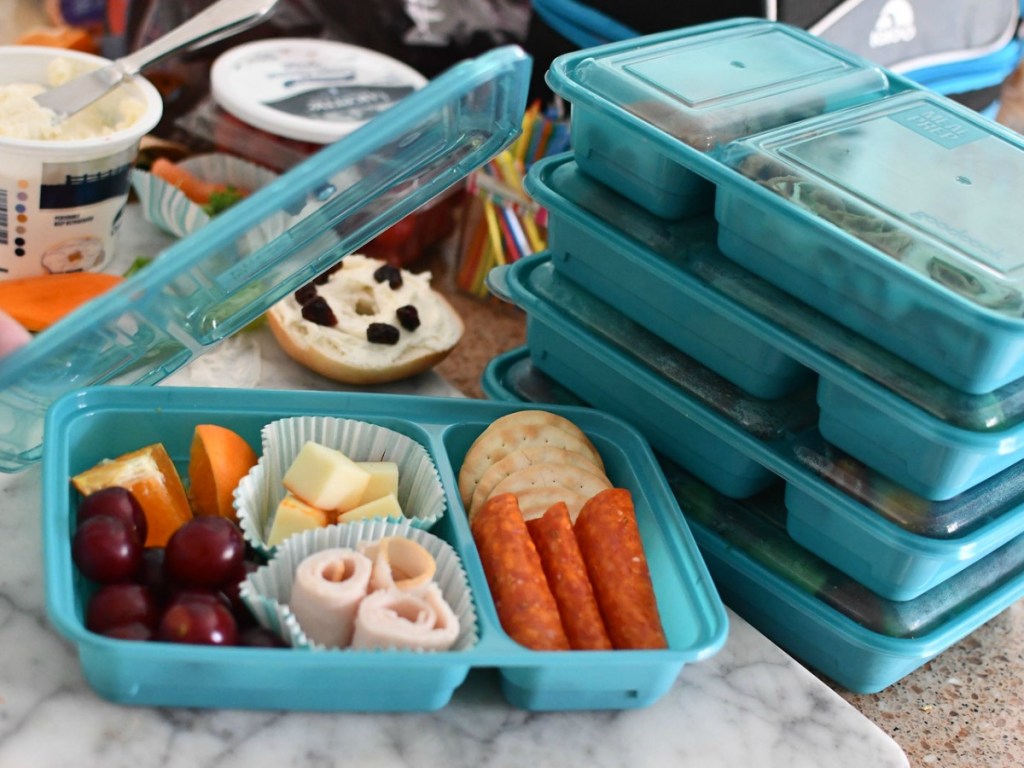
x=641 y=106
x=882 y=204
x=834 y=624
x=890 y=541
x=84 y=427
x=829 y=620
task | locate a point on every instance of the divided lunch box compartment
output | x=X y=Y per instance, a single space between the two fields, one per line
x=739 y=445
x=206 y=287
x=828 y=620
x=883 y=205
x=84 y=427
x=671 y=278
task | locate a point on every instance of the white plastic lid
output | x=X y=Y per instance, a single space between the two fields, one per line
x=308 y=89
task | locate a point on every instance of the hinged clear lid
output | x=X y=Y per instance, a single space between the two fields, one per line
x=204 y=288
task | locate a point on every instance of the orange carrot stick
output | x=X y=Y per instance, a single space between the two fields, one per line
x=197 y=190
x=39 y=301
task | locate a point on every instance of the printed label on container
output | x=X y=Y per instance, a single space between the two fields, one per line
x=342 y=103
x=61 y=216
x=309 y=90
x=944 y=128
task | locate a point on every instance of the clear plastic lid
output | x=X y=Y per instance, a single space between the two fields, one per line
x=206 y=287
x=915 y=176
x=708 y=85
x=953 y=518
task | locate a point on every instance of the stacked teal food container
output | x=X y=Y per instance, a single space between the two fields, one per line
x=796 y=273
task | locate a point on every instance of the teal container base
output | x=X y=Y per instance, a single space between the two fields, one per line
x=606 y=384
x=622 y=158
x=926 y=456
x=563 y=691
x=212 y=682
x=639 y=263
x=881 y=556
x=87 y=426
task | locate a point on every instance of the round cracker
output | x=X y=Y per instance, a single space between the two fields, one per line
x=553 y=476
x=535 y=501
x=492 y=445
x=521 y=459
x=536 y=416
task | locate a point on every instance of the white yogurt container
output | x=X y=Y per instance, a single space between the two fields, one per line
x=61 y=199
x=294 y=95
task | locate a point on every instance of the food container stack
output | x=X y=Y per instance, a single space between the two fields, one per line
x=796 y=273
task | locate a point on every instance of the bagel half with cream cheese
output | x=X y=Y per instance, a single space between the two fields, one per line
x=366 y=322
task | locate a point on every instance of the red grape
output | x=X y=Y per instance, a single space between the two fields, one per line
x=202 y=621
x=202 y=595
x=206 y=552
x=151 y=573
x=107 y=550
x=260 y=637
x=134 y=631
x=231 y=590
x=115 y=606
x=115 y=502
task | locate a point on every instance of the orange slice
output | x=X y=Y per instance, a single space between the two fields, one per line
x=151 y=476
x=218 y=461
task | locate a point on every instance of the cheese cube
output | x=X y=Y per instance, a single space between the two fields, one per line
x=326 y=478
x=385 y=506
x=383 y=479
x=294 y=516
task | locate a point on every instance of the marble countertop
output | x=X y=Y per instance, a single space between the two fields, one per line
x=748 y=705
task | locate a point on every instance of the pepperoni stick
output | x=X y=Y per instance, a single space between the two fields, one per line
x=566 y=573
x=610 y=542
x=525 y=605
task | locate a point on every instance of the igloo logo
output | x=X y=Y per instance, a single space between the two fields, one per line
x=895 y=24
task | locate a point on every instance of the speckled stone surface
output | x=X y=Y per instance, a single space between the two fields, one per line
x=964 y=708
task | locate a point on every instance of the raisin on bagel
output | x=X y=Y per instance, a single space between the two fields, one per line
x=366 y=322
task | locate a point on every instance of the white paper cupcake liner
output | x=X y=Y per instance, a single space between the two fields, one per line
x=169 y=208
x=420 y=493
x=266 y=591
